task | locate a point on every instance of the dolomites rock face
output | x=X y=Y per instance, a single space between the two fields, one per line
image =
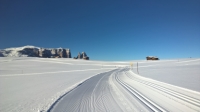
x=79 y=56
x=1 y=54
x=68 y=52
x=32 y=51
x=82 y=55
x=46 y=53
x=55 y=53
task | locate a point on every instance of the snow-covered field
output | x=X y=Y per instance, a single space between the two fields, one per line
x=32 y=84
x=184 y=73
x=65 y=85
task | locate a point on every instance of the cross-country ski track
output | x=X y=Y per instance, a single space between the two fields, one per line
x=67 y=85
x=121 y=90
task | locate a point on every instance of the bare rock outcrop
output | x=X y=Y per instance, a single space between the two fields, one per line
x=68 y=52
x=55 y=53
x=1 y=54
x=32 y=51
x=82 y=55
x=44 y=53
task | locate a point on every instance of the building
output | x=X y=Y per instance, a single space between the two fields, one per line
x=152 y=58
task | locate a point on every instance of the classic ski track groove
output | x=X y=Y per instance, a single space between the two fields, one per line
x=95 y=98
x=171 y=92
x=185 y=98
x=154 y=107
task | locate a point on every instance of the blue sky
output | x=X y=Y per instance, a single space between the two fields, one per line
x=104 y=29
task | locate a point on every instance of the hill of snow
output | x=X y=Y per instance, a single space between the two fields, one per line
x=15 y=51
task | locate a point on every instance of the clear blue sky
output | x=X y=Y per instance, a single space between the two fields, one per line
x=104 y=29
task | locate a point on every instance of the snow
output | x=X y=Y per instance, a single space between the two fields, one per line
x=165 y=96
x=184 y=73
x=31 y=84
x=42 y=84
x=14 y=51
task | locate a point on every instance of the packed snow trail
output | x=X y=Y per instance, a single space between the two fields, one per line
x=96 y=95
x=93 y=95
x=121 y=90
x=101 y=93
x=164 y=96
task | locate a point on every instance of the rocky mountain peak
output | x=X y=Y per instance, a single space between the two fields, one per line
x=32 y=51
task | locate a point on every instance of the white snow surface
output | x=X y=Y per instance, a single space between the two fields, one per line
x=32 y=84
x=183 y=72
x=35 y=84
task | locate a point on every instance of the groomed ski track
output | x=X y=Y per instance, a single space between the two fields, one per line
x=121 y=90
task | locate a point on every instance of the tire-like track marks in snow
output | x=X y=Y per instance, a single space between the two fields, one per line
x=100 y=94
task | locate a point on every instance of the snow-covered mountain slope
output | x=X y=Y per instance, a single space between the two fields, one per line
x=15 y=51
x=59 y=85
x=32 y=51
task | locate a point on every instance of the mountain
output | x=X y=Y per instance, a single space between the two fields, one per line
x=32 y=51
